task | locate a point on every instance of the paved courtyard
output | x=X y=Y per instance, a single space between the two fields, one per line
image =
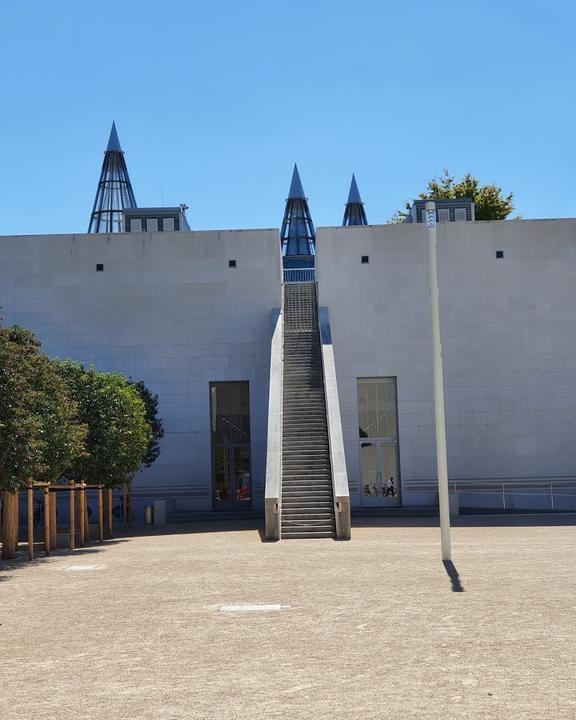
x=374 y=628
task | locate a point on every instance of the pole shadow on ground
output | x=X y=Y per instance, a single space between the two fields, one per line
x=453 y=575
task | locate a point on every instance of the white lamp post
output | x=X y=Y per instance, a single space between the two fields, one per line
x=439 y=412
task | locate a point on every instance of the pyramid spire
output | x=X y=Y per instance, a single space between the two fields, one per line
x=354 y=214
x=297 y=236
x=114 y=192
x=113 y=141
x=296 y=189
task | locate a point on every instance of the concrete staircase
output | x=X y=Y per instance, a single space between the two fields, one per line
x=307 y=501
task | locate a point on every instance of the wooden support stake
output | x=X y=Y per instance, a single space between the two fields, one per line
x=72 y=512
x=46 y=521
x=54 y=521
x=9 y=525
x=109 y=512
x=81 y=515
x=30 y=495
x=100 y=515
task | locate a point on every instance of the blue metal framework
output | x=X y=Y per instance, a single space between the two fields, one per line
x=114 y=193
x=354 y=214
x=297 y=235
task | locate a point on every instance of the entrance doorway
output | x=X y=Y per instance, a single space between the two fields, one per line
x=230 y=433
x=378 y=436
x=379 y=466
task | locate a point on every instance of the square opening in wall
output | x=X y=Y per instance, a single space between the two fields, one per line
x=99 y=267
x=499 y=254
x=365 y=259
x=231 y=263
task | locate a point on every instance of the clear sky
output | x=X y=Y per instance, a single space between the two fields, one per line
x=215 y=101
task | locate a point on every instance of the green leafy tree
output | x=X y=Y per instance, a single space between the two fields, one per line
x=155 y=423
x=115 y=416
x=40 y=434
x=490 y=202
x=21 y=440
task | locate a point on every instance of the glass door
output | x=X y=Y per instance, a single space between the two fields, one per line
x=378 y=436
x=379 y=473
x=230 y=432
x=231 y=468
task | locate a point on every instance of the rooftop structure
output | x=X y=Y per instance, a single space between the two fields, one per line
x=354 y=214
x=456 y=210
x=163 y=219
x=297 y=235
x=114 y=193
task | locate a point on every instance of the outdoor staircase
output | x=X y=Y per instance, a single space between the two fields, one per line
x=307 y=500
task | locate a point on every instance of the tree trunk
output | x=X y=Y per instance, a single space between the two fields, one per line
x=9 y=525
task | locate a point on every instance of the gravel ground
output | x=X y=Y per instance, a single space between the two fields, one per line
x=372 y=628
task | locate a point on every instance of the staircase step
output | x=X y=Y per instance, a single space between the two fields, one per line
x=292 y=507
x=311 y=492
x=293 y=534
x=295 y=465
x=307 y=497
x=326 y=516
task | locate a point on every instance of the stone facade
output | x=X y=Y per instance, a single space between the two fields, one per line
x=169 y=309
x=509 y=342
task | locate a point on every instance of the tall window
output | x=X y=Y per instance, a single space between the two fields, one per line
x=378 y=438
x=377 y=408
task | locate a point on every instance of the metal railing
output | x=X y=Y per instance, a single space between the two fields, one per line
x=299 y=275
x=507 y=495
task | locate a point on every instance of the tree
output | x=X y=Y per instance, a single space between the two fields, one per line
x=115 y=416
x=489 y=201
x=155 y=423
x=40 y=435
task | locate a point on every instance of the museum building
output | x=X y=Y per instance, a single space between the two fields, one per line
x=294 y=366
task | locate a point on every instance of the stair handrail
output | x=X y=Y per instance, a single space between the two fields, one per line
x=340 y=488
x=273 y=490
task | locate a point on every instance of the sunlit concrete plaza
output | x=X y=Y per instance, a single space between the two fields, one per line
x=186 y=624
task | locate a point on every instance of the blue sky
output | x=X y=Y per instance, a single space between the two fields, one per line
x=214 y=102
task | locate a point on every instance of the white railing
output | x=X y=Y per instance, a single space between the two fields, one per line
x=273 y=491
x=299 y=275
x=508 y=495
x=340 y=489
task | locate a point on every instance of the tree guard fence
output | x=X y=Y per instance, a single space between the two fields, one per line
x=78 y=527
